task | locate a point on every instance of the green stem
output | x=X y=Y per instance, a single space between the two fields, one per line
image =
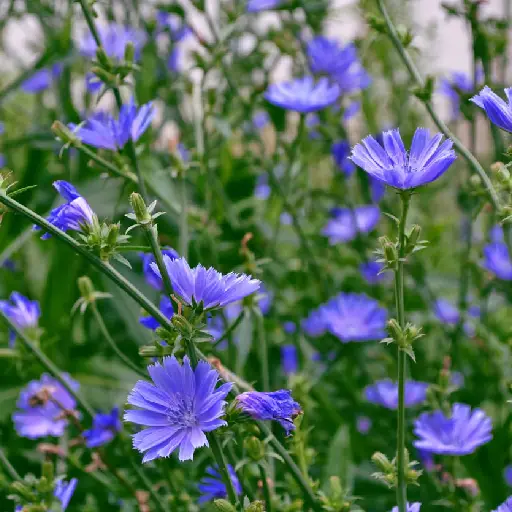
x=183 y=216
x=49 y=365
x=266 y=490
x=262 y=343
x=106 y=164
x=151 y=233
x=401 y=489
x=415 y=74
x=8 y=466
x=113 y=344
x=230 y=329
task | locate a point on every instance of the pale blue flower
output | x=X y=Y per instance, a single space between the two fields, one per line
x=497 y=110
x=345 y=223
x=212 y=487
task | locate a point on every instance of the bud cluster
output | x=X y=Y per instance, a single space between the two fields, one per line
x=403 y=337
x=114 y=74
x=389 y=251
x=388 y=473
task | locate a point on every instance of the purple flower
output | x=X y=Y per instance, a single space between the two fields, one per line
x=385 y=393
x=262 y=5
x=289 y=360
x=363 y=424
x=289 y=327
x=207 y=286
x=303 y=94
x=411 y=507
x=92 y=83
x=212 y=487
x=497 y=260
x=451 y=88
x=460 y=434
x=22 y=312
x=314 y=325
x=353 y=108
x=104 y=428
x=152 y=278
x=42 y=79
x=286 y=219
x=341 y=63
x=377 y=189
x=167 y=310
x=72 y=215
x=340 y=152
x=174 y=24
x=64 y=491
x=345 y=224
x=40 y=407
x=265 y=299
x=446 y=312
x=114 y=39
x=505 y=506
x=507 y=475
x=260 y=119
x=371 y=272
x=262 y=189
x=354 y=317
x=101 y=130
x=277 y=405
x=177 y=409
x=392 y=164
x=497 y=110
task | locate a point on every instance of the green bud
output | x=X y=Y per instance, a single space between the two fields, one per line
x=413 y=237
x=181 y=324
x=255 y=448
x=390 y=253
x=475 y=180
x=86 y=288
x=383 y=463
x=113 y=233
x=65 y=134
x=256 y=506
x=22 y=490
x=102 y=58
x=378 y=24
x=140 y=209
x=395 y=331
x=224 y=506
x=129 y=52
x=47 y=471
x=503 y=175
x=103 y=75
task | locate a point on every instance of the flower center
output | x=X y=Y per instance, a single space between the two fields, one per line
x=181 y=411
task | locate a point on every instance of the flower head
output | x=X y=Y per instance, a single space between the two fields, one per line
x=72 y=215
x=40 y=407
x=372 y=272
x=340 y=152
x=64 y=491
x=42 y=79
x=213 y=289
x=345 y=223
x=114 y=39
x=289 y=360
x=212 y=487
x=260 y=119
x=446 y=312
x=177 y=409
x=101 y=130
x=497 y=260
x=314 y=324
x=497 y=110
x=411 y=507
x=303 y=94
x=276 y=405
x=506 y=506
x=354 y=317
x=385 y=393
x=165 y=307
x=363 y=424
x=341 y=63
x=22 y=312
x=104 y=428
x=262 y=5
x=427 y=160
x=460 y=434
x=152 y=278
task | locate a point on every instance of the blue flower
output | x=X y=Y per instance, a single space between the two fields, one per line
x=276 y=405
x=152 y=278
x=212 y=487
x=289 y=360
x=446 y=312
x=497 y=110
x=101 y=130
x=392 y=164
x=345 y=223
x=207 y=286
x=64 y=491
x=385 y=393
x=451 y=88
x=42 y=79
x=363 y=424
x=286 y=219
x=354 y=317
x=340 y=152
x=260 y=119
x=507 y=475
x=314 y=325
x=303 y=94
x=72 y=215
x=216 y=324
x=167 y=310
x=341 y=63
x=505 y=506
x=411 y=507
x=262 y=5
x=104 y=428
x=92 y=83
x=40 y=407
x=497 y=260
x=460 y=434
x=114 y=39
x=174 y=24
x=262 y=189
x=353 y=108
x=377 y=189
x=22 y=312
x=289 y=327
x=265 y=299
x=371 y=272
x=178 y=408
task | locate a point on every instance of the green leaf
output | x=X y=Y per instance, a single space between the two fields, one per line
x=339 y=462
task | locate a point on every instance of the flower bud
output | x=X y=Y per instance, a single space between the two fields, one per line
x=102 y=58
x=47 y=471
x=256 y=506
x=139 y=207
x=395 y=331
x=382 y=462
x=113 y=233
x=413 y=237
x=503 y=175
x=255 y=448
x=103 y=75
x=224 y=506
x=475 y=180
x=22 y=490
x=129 y=52
x=149 y=351
x=65 y=134
x=86 y=288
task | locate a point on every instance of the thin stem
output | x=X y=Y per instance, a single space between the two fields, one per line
x=8 y=466
x=183 y=215
x=113 y=344
x=151 y=233
x=401 y=489
x=415 y=74
x=106 y=164
x=266 y=490
x=262 y=343
x=230 y=329
x=49 y=365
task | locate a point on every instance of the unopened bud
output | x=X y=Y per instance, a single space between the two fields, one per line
x=65 y=134
x=413 y=236
x=255 y=448
x=503 y=175
x=103 y=75
x=475 y=180
x=86 y=288
x=181 y=324
x=224 y=506
x=140 y=209
x=113 y=233
x=149 y=351
x=256 y=506
x=382 y=462
x=129 y=52
x=395 y=331
x=21 y=489
x=47 y=471
x=102 y=58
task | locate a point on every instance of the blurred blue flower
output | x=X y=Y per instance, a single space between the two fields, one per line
x=460 y=434
x=40 y=407
x=497 y=110
x=104 y=428
x=262 y=5
x=370 y=271
x=507 y=475
x=353 y=108
x=392 y=164
x=72 y=215
x=286 y=219
x=497 y=260
x=152 y=278
x=496 y=234
x=377 y=189
x=174 y=24
x=101 y=130
x=303 y=94
x=385 y=393
x=114 y=39
x=505 y=506
x=289 y=327
x=217 y=326
x=289 y=360
x=312 y=121
x=212 y=487
x=178 y=408
x=262 y=189
x=458 y=83
x=363 y=424
x=22 y=312
x=314 y=325
x=341 y=63
x=42 y=79
x=64 y=491
x=265 y=299
x=92 y=83
x=446 y=312
x=340 y=152
x=411 y=507
x=260 y=119
x=276 y=405
x=345 y=224
x=213 y=289
x=427 y=460
x=165 y=307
